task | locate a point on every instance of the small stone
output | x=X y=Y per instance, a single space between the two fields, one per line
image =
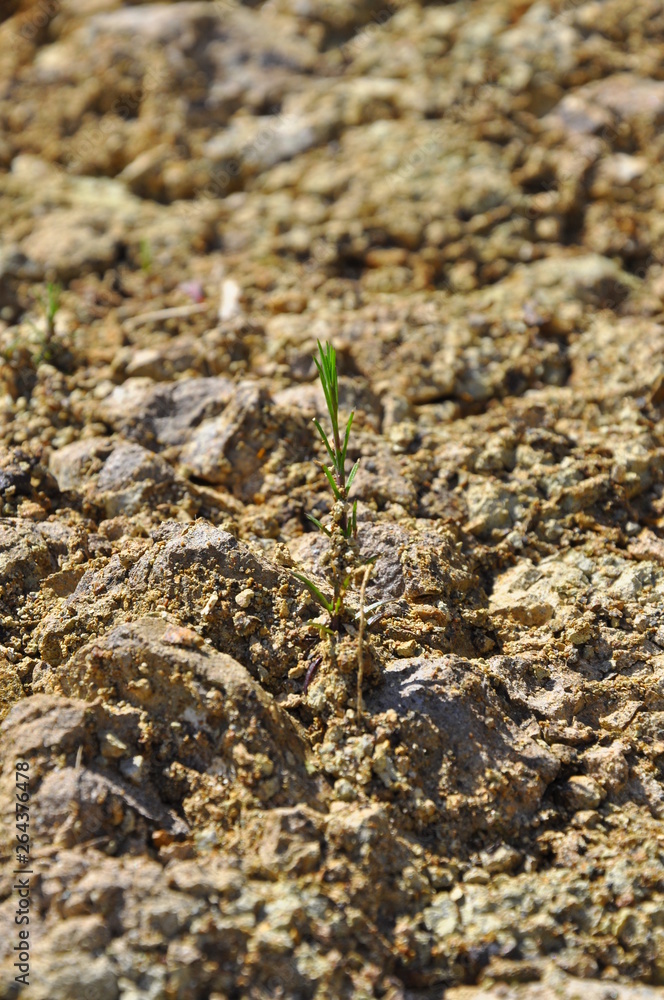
x=134 y=769
x=111 y=746
x=425 y=810
x=505 y=859
x=206 y=839
x=580 y=633
x=476 y=876
x=244 y=598
x=582 y=792
x=71 y=242
x=264 y=765
x=344 y=791
x=177 y=635
x=577 y=963
x=587 y=819
x=629 y=927
x=383 y=766
x=405 y=649
x=441 y=877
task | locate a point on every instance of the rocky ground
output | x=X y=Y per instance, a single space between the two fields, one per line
x=466 y=199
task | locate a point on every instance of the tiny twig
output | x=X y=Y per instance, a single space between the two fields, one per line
x=311 y=672
x=48 y=852
x=360 y=639
x=176 y=312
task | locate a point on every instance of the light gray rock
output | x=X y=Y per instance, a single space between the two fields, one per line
x=74 y=465
x=132 y=477
x=604 y=103
x=123 y=477
x=240 y=447
x=436 y=690
x=165 y=413
x=68 y=243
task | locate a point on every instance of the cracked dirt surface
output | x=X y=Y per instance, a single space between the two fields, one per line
x=465 y=199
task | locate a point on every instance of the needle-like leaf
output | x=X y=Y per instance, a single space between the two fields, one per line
x=315 y=592
x=330 y=479
x=353 y=472
x=320 y=525
x=326 y=387
x=351 y=530
x=327 y=370
x=376 y=604
x=326 y=441
x=346 y=436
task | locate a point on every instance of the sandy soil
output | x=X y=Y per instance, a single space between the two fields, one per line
x=466 y=199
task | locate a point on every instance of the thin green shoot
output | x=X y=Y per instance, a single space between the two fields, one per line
x=343 y=527
x=50 y=303
x=320 y=525
x=315 y=592
x=326 y=363
x=51 y=308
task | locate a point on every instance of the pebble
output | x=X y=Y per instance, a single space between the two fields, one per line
x=581 y=793
x=245 y=598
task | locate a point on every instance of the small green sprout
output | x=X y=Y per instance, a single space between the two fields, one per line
x=343 y=529
x=50 y=303
x=326 y=364
x=51 y=306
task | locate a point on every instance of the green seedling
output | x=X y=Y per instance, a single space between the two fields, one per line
x=23 y=353
x=50 y=303
x=342 y=530
x=51 y=306
x=326 y=364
